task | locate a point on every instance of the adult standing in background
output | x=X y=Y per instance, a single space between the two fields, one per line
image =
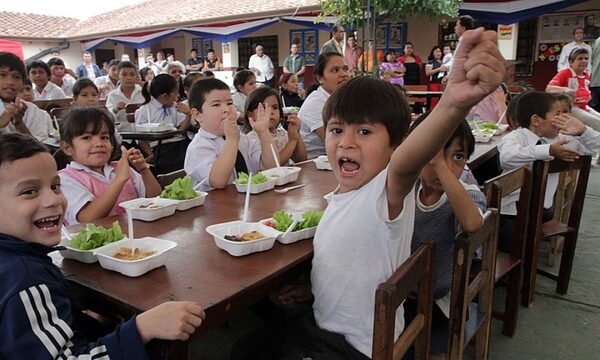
x=595 y=80
x=194 y=63
x=352 y=53
x=563 y=60
x=464 y=23
x=295 y=64
x=335 y=43
x=160 y=59
x=87 y=69
x=212 y=62
x=412 y=62
x=262 y=66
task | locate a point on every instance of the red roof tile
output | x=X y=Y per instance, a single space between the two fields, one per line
x=22 y=25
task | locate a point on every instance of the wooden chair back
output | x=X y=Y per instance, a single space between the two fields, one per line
x=48 y=105
x=539 y=231
x=467 y=319
x=168 y=178
x=416 y=271
x=562 y=208
x=510 y=265
x=130 y=111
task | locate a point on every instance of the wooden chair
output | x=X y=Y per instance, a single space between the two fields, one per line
x=417 y=270
x=470 y=320
x=544 y=232
x=130 y=111
x=562 y=208
x=509 y=266
x=168 y=178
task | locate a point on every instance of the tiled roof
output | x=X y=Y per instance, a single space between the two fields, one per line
x=21 y=25
x=155 y=15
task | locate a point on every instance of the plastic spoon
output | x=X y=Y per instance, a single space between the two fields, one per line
x=275 y=157
x=284 y=190
x=296 y=218
x=65 y=233
x=197 y=187
x=130 y=230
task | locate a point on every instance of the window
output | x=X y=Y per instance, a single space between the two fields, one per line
x=390 y=36
x=247 y=46
x=202 y=45
x=307 y=41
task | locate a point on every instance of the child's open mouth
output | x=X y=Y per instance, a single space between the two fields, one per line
x=348 y=166
x=48 y=223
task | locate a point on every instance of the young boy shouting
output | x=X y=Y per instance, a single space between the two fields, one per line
x=38 y=320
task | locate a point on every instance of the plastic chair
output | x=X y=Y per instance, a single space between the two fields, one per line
x=509 y=266
x=417 y=271
x=539 y=231
x=470 y=320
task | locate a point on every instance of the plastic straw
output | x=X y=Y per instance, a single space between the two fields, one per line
x=275 y=157
x=247 y=200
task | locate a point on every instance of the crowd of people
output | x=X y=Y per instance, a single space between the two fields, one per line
x=395 y=179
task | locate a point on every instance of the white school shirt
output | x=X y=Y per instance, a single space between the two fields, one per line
x=104 y=81
x=37 y=121
x=264 y=65
x=49 y=92
x=519 y=148
x=155 y=112
x=67 y=85
x=563 y=60
x=239 y=101
x=356 y=248
x=78 y=195
x=206 y=148
x=311 y=115
x=116 y=96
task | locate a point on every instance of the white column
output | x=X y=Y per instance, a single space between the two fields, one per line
x=230 y=54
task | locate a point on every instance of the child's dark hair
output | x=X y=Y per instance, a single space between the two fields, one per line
x=201 y=88
x=126 y=65
x=191 y=78
x=82 y=84
x=26 y=81
x=55 y=61
x=161 y=84
x=13 y=63
x=533 y=103
x=257 y=96
x=242 y=78
x=15 y=146
x=145 y=71
x=208 y=74
x=38 y=64
x=564 y=97
x=368 y=100
x=511 y=111
x=462 y=132
x=79 y=118
x=113 y=62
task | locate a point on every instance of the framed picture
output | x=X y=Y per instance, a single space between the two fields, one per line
x=396 y=36
x=296 y=38
x=309 y=41
x=380 y=36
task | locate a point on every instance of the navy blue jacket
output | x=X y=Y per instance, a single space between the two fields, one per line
x=37 y=318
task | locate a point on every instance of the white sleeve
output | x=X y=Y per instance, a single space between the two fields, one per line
x=77 y=195
x=310 y=113
x=38 y=122
x=198 y=162
x=141 y=115
x=515 y=153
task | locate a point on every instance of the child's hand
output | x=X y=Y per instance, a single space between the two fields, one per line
x=120 y=106
x=568 y=125
x=123 y=165
x=183 y=108
x=562 y=152
x=14 y=112
x=260 y=124
x=138 y=160
x=174 y=320
x=478 y=69
x=293 y=129
x=230 y=126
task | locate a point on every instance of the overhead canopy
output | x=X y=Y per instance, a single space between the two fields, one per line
x=14 y=47
x=216 y=33
x=510 y=12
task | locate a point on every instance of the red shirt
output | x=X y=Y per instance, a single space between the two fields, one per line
x=582 y=94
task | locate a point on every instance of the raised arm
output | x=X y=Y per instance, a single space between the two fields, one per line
x=478 y=70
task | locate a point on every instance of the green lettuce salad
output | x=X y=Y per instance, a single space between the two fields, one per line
x=180 y=189
x=284 y=220
x=242 y=179
x=92 y=236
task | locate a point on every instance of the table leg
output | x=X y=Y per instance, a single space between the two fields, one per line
x=157 y=153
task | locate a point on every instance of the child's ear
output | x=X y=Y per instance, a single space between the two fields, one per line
x=535 y=120
x=196 y=115
x=66 y=148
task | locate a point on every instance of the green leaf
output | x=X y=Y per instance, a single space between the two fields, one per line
x=180 y=189
x=92 y=236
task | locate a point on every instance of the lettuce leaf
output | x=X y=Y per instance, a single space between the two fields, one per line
x=92 y=236
x=284 y=220
x=180 y=189
x=258 y=178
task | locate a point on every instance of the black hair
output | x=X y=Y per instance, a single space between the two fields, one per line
x=15 y=146
x=320 y=66
x=462 y=132
x=578 y=28
x=55 y=61
x=144 y=71
x=208 y=74
x=238 y=69
x=431 y=57
x=576 y=52
x=196 y=50
x=161 y=84
x=191 y=78
x=389 y=52
x=467 y=22
x=511 y=111
x=242 y=78
x=564 y=97
x=126 y=65
x=81 y=84
x=201 y=88
x=533 y=103
x=13 y=63
x=114 y=62
x=210 y=51
x=38 y=64
x=256 y=97
x=335 y=28
x=26 y=81
x=79 y=118
x=365 y=99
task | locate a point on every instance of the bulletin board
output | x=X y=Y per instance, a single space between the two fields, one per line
x=556 y=30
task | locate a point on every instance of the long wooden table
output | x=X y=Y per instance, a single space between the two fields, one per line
x=196 y=269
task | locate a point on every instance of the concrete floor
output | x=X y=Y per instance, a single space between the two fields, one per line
x=556 y=327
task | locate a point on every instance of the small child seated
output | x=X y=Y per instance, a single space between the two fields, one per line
x=38 y=319
x=288 y=143
x=545 y=133
x=445 y=206
x=244 y=82
x=219 y=152
x=37 y=120
x=93 y=184
x=128 y=92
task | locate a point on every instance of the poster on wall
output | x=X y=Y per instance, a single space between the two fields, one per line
x=556 y=30
x=380 y=36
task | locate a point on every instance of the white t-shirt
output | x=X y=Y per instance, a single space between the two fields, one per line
x=356 y=248
x=312 y=119
x=49 y=92
x=36 y=120
x=264 y=65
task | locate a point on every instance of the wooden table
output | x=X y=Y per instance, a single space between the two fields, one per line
x=199 y=271
x=484 y=163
